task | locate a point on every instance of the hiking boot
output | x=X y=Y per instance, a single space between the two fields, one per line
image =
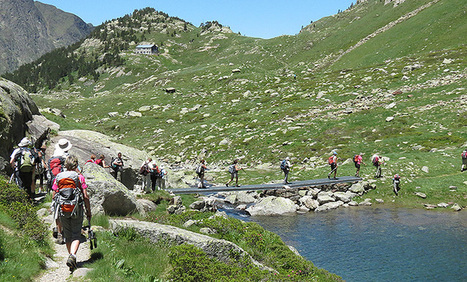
x=55 y=232
x=71 y=263
x=226 y=184
x=60 y=240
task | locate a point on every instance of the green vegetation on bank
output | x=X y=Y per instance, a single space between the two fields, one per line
x=23 y=237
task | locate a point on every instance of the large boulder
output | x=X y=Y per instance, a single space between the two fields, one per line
x=309 y=202
x=16 y=109
x=329 y=206
x=107 y=195
x=325 y=197
x=246 y=197
x=39 y=128
x=357 y=188
x=272 y=206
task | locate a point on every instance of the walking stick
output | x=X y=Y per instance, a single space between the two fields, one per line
x=11 y=178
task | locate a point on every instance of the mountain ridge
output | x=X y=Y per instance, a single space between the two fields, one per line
x=30 y=29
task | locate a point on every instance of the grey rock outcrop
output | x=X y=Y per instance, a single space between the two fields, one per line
x=16 y=109
x=107 y=195
x=215 y=248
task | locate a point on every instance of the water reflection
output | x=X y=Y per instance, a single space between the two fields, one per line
x=379 y=244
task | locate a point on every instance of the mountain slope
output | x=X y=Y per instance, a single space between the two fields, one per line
x=30 y=29
x=260 y=100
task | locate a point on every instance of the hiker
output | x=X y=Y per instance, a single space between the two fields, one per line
x=69 y=194
x=163 y=178
x=92 y=160
x=233 y=170
x=62 y=147
x=332 y=161
x=117 y=166
x=285 y=167
x=100 y=161
x=154 y=172
x=23 y=161
x=144 y=171
x=358 y=160
x=377 y=161
x=395 y=182
x=41 y=167
x=200 y=170
x=464 y=161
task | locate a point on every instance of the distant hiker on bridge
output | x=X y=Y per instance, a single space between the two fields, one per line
x=395 y=182
x=358 y=160
x=464 y=160
x=377 y=161
x=23 y=161
x=332 y=161
x=69 y=196
x=200 y=170
x=117 y=166
x=285 y=167
x=233 y=170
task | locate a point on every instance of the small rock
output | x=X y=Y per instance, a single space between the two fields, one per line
x=420 y=194
x=456 y=207
x=453 y=188
x=381 y=201
x=425 y=169
x=207 y=230
x=388 y=119
x=443 y=205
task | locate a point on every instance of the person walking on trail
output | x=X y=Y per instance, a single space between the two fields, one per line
x=92 y=159
x=101 y=161
x=358 y=161
x=69 y=194
x=233 y=170
x=40 y=169
x=23 y=162
x=464 y=161
x=395 y=182
x=117 y=166
x=200 y=170
x=144 y=171
x=285 y=167
x=377 y=161
x=155 y=172
x=163 y=178
x=332 y=161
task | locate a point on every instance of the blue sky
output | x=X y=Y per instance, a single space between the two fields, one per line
x=255 y=18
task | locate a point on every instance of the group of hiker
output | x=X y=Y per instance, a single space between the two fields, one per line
x=68 y=185
x=153 y=176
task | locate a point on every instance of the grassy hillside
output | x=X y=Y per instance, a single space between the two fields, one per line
x=374 y=78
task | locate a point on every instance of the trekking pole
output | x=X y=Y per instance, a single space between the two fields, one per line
x=11 y=178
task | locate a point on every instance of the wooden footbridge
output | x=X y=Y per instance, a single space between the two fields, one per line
x=273 y=186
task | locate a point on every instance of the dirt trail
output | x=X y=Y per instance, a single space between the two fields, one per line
x=57 y=270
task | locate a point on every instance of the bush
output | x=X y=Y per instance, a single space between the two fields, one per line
x=13 y=201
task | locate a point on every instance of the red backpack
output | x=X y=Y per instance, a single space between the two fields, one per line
x=56 y=165
x=464 y=155
x=331 y=160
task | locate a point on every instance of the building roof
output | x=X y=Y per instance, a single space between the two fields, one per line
x=145 y=46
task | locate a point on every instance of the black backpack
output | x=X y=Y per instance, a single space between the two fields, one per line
x=283 y=165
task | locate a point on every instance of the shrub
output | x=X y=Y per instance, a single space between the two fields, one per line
x=14 y=202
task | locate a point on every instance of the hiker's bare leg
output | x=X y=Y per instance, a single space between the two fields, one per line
x=72 y=247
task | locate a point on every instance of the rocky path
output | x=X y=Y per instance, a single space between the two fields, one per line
x=57 y=270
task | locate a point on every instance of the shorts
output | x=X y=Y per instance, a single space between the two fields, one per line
x=333 y=166
x=464 y=161
x=71 y=227
x=357 y=165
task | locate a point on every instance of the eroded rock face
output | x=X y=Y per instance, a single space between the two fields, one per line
x=16 y=109
x=107 y=195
